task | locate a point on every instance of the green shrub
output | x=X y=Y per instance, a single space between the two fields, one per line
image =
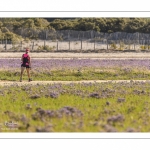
x=113 y=46
x=16 y=48
x=46 y=47
x=122 y=45
x=144 y=47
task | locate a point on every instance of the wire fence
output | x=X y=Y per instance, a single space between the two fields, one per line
x=69 y=40
x=48 y=34
x=82 y=45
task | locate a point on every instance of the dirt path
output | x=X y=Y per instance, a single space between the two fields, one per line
x=12 y=83
x=42 y=55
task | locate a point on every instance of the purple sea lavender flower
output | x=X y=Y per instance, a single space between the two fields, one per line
x=54 y=94
x=94 y=95
x=50 y=64
x=117 y=118
x=109 y=128
x=121 y=100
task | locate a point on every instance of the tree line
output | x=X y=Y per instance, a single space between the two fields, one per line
x=106 y=25
x=11 y=28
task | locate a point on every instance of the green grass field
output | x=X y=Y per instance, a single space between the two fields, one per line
x=97 y=107
x=76 y=75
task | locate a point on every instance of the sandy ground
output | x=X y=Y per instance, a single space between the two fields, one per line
x=126 y=55
x=16 y=83
x=66 y=45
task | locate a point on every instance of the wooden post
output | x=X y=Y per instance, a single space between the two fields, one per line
x=69 y=45
x=57 y=45
x=6 y=44
x=81 y=44
x=107 y=44
x=134 y=45
x=21 y=45
x=33 y=46
x=120 y=44
x=11 y=43
x=94 y=44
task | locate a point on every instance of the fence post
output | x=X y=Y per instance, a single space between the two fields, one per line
x=57 y=45
x=107 y=44
x=81 y=44
x=33 y=46
x=120 y=44
x=94 y=44
x=69 y=45
x=21 y=46
x=134 y=45
x=6 y=44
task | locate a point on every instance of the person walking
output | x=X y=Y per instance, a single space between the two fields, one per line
x=25 y=63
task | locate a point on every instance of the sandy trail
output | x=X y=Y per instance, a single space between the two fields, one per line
x=17 y=83
x=80 y=55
